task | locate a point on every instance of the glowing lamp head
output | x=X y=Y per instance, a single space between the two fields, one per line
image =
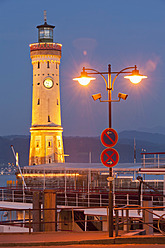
x=84 y=79
x=135 y=77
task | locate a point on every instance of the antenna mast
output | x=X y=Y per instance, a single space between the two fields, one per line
x=18 y=167
x=134 y=151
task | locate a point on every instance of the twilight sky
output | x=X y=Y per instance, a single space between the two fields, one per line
x=93 y=33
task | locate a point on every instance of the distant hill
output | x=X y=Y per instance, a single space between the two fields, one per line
x=156 y=129
x=155 y=138
x=21 y=145
x=80 y=148
x=150 y=142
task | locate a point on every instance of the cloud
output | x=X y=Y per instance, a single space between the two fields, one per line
x=85 y=44
x=151 y=64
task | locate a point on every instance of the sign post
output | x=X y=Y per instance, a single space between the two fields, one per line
x=109 y=137
x=109 y=157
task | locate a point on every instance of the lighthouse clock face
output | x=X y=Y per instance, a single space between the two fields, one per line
x=48 y=83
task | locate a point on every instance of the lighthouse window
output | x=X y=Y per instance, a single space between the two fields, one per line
x=56 y=66
x=38 y=65
x=57 y=101
x=36 y=160
x=38 y=101
x=48 y=65
x=48 y=118
x=49 y=144
x=42 y=33
x=46 y=33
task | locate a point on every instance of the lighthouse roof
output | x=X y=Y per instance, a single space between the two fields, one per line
x=45 y=25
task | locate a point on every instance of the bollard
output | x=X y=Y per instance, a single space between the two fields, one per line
x=148 y=217
x=36 y=212
x=29 y=221
x=50 y=215
x=116 y=223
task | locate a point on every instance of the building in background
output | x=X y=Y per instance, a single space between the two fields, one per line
x=46 y=144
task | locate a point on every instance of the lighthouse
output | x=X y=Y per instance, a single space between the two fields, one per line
x=46 y=144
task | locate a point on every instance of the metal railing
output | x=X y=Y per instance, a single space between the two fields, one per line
x=128 y=221
x=85 y=221
x=27 y=223
x=94 y=198
x=153 y=160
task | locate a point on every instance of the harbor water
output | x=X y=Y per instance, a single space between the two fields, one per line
x=5 y=178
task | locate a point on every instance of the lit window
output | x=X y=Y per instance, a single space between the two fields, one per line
x=36 y=160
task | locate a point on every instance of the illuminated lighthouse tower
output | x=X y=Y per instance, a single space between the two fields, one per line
x=46 y=144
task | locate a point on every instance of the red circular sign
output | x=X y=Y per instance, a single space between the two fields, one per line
x=109 y=137
x=109 y=157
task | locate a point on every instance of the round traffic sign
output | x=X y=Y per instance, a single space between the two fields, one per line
x=109 y=157
x=109 y=137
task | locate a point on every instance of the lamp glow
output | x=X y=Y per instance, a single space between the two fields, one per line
x=49 y=175
x=135 y=77
x=84 y=79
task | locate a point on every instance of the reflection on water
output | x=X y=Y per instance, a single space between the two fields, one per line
x=5 y=178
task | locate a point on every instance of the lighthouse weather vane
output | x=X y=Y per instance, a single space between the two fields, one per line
x=45 y=17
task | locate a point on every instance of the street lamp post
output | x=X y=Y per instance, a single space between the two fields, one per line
x=110 y=219
x=85 y=79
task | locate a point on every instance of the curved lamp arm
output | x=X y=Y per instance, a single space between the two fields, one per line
x=131 y=67
x=97 y=72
